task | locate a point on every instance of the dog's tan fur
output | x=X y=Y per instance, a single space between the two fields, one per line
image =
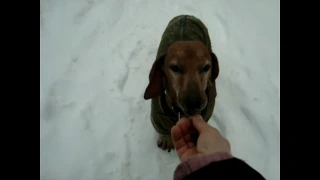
x=191 y=57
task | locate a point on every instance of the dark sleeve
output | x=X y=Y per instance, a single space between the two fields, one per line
x=226 y=169
x=215 y=166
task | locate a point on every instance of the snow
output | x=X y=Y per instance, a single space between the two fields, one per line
x=95 y=56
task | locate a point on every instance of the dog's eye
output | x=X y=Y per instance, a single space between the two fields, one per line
x=206 y=68
x=175 y=68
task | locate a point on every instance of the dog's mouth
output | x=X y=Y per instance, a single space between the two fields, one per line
x=192 y=107
x=192 y=111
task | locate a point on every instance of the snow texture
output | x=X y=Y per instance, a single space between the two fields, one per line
x=95 y=58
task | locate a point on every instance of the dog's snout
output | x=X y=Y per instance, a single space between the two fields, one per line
x=193 y=102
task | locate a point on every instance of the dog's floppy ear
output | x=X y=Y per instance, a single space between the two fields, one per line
x=155 y=86
x=212 y=91
x=215 y=67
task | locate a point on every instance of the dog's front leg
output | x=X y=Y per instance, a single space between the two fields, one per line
x=165 y=142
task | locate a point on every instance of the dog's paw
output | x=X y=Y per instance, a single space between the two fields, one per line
x=165 y=142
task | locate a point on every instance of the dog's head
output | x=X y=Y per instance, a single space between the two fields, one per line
x=187 y=73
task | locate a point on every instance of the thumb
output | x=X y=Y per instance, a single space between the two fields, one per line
x=199 y=123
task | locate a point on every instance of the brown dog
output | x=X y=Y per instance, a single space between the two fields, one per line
x=182 y=78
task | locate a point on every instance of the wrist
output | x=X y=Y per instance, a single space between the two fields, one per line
x=197 y=162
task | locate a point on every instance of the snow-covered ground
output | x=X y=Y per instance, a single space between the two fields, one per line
x=95 y=58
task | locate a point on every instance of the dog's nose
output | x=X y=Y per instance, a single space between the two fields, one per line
x=193 y=103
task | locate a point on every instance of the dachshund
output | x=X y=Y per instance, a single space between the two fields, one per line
x=182 y=78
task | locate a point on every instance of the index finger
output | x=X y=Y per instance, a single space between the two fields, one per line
x=185 y=125
x=177 y=137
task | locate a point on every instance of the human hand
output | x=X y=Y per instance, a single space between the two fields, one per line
x=196 y=137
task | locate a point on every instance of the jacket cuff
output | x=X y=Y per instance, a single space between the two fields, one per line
x=197 y=162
